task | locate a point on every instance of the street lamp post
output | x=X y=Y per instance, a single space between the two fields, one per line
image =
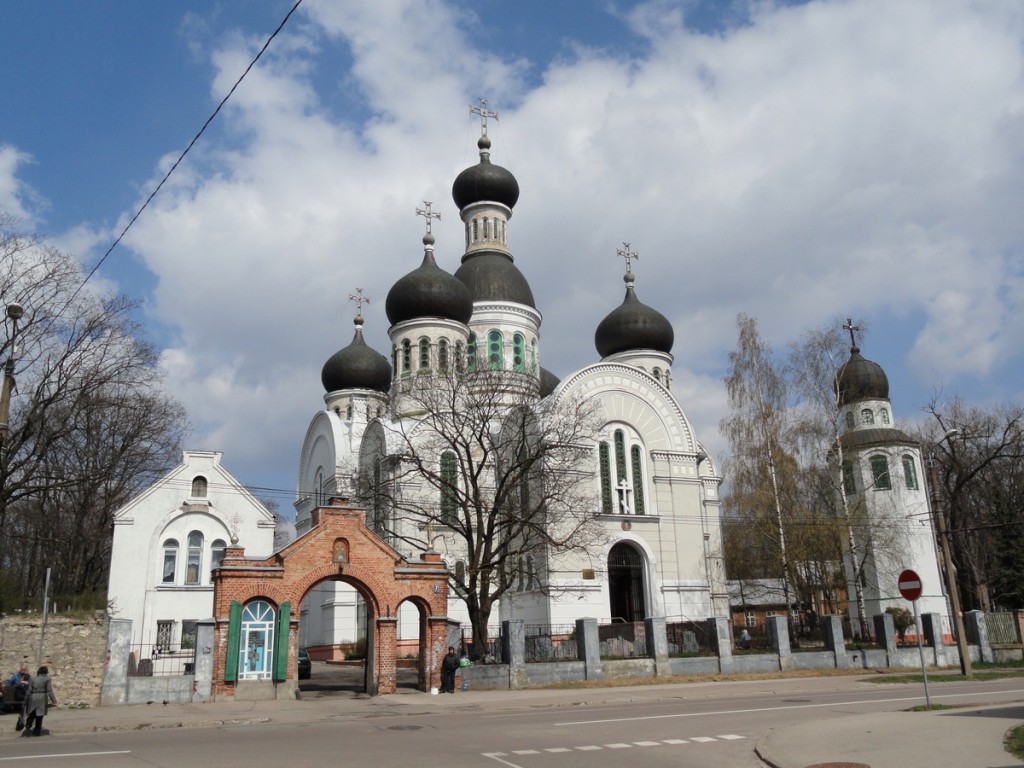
x=947 y=561
x=14 y=312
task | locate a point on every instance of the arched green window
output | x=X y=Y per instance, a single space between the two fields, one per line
x=657 y=374
x=424 y=354
x=394 y=360
x=880 y=473
x=519 y=352
x=442 y=355
x=533 y=355
x=910 y=472
x=475 y=230
x=449 y=488
x=494 y=351
x=620 y=455
x=406 y=357
x=471 y=352
x=604 y=460
x=637 y=467
x=849 y=484
x=460 y=360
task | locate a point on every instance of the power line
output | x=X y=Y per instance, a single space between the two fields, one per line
x=187 y=149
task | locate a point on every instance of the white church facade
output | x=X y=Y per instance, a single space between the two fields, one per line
x=653 y=489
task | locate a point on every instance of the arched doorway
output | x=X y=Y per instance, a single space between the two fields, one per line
x=626 y=583
x=334 y=630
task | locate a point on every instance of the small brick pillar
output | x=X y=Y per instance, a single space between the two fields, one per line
x=387 y=635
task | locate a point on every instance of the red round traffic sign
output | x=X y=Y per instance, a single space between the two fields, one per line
x=910 y=585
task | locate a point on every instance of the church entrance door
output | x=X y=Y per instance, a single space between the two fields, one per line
x=626 y=583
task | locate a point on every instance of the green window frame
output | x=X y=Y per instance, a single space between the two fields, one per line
x=495 y=353
x=406 y=357
x=442 y=355
x=910 y=472
x=424 y=354
x=519 y=352
x=638 y=479
x=471 y=353
x=880 y=473
x=604 y=462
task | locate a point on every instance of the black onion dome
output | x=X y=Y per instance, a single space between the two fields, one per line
x=633 y=325
x=548 y=382
x=492 y=276
x=429 y=291
x=356 y=367
x=485 y=181
x=861 y=379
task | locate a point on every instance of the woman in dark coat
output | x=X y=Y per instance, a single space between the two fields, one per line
x=40 y=694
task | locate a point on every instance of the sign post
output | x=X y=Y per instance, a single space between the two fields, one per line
x=910 y=588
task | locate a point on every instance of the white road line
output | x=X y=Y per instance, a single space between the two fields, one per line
x=67 y=754
x=525 y=751
x=702 y=739
x=558 y=749
x=729 y=737
x=588 y=748
x=620 y=745
x=647 y=743
x=819 y=705
x=497 y=756
x=676 y=741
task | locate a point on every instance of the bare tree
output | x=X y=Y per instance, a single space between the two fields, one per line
x=981 y=475
x=89 y=423
x=475 y=463
x=755 y=429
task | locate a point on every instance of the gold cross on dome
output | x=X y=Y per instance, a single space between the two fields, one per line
x=484 y=114
x=428 y=214
x=851 y=328
x=628 y=255
x=359 y=299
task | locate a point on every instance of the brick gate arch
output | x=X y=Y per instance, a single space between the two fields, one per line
x=338 y=546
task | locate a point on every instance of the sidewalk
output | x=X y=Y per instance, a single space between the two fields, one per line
x=966 y=738
x=954 y=737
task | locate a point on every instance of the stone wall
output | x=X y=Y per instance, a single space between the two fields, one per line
x=75 y=650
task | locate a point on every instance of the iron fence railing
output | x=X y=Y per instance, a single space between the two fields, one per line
x=622 y=640
x=551 y=642
x=689 y=638
x=489 y=653
x=150 y=661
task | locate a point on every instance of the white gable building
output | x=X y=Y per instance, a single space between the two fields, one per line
x=166 y=542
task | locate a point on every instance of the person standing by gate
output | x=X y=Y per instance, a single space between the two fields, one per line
x=449 y=666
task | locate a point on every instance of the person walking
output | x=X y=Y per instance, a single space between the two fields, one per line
x=38 y=698
x=449 y=666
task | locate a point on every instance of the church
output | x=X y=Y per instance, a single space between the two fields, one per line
x=643 y=489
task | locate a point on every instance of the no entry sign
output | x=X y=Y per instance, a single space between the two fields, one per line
x=910 y=585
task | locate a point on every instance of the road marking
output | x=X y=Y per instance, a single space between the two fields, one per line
x=702 y=739
x=620 y=745
x=595 y=748
x=66 y=754
x=497 y=756
x=588 y=748
x=676 y=741
x=558 y=749
x=525 y=752
x=729 y=737
x=647 y=743
x=720 y=712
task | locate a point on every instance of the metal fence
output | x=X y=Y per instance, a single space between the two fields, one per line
x=1002 y=629
x=551 y=642
x=622 y=640
x=689 y=638
x=151 y=661
x=490 y=653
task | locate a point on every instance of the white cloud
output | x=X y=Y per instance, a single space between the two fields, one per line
x=833 y=157
x=15 y=196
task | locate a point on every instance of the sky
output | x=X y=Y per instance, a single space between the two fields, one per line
x=800 y=162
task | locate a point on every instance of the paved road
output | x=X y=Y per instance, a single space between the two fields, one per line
x=714 y=725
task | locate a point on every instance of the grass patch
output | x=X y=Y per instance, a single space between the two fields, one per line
x=932 y=708
x=948 y=677
x=1014 y=742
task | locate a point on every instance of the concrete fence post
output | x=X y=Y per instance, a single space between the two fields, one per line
x=588 y=646
x=114 y=690
x=977 y=633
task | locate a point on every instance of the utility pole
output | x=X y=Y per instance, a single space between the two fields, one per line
x=947 y=560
